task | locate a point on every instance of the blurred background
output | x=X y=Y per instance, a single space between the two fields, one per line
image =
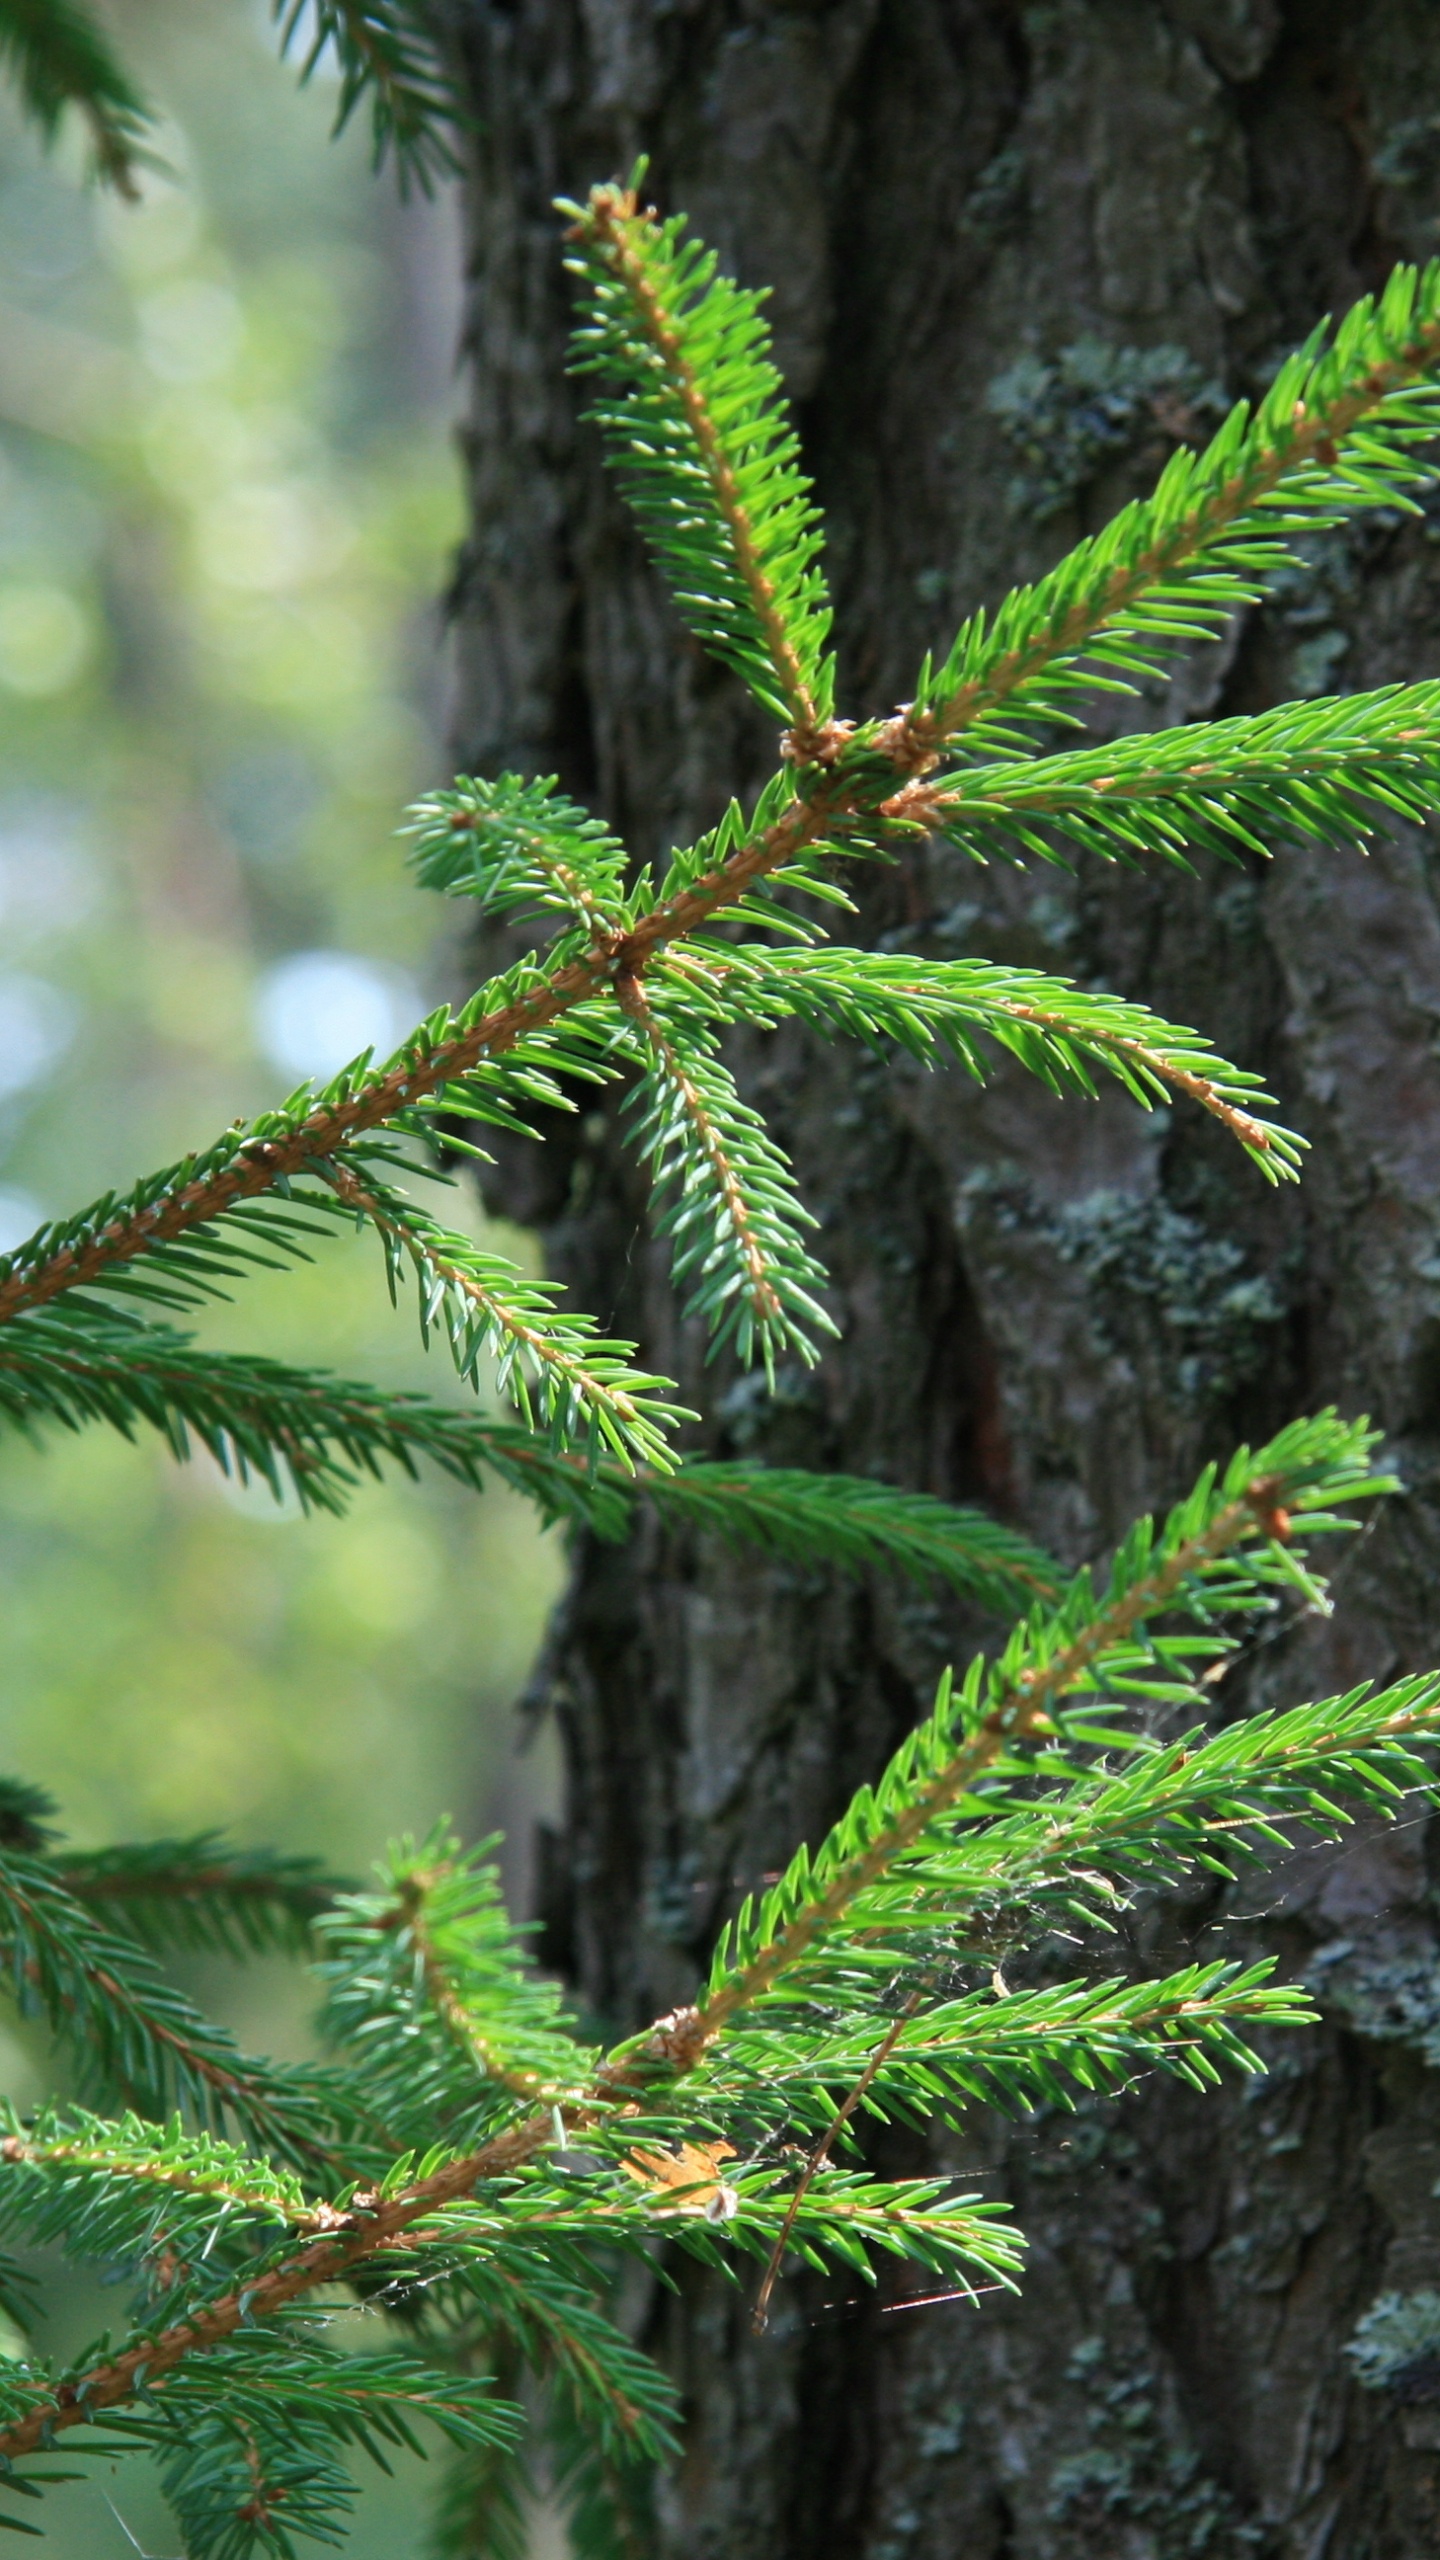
x=227 y=502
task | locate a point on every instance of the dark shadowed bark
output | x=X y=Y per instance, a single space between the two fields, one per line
x=1061 y=1310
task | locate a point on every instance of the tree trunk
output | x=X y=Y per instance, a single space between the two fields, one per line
x=1059 y=1309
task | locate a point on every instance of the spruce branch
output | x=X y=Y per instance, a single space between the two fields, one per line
x=802 y=820
x=733 y=1218
x=183 y=1229
x=364 y=2230
x=603 y=2492
x=851 y=1522
x=700 y=439
x=59 y=56
x=546 y=2309
x=518 y=847
x=852 y=2219
x=232 y=2486
x=131 y=2032
x=202 y=1895
x=123 y=2190
x=913 y=2218
x=1228 y=1549
x=294 y=1430
x=1064 y=1651
x=1080 y=1841
x=855 y=1523
x=1255 y=1505
x=428 y=1989
x=1323 y=769
x=172 y=1221
x=26 y=1816
x=556 y=1366
x=997 y=2048
x=303 y=1430
x=248 y=2449
x=387 y=52
x=1342 y=428
x=480 y=2050
x=465 y=2162
x=1060 y=1032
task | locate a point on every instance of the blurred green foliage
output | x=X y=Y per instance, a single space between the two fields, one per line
x=227 y=497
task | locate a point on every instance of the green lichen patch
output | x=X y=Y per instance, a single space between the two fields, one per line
x=996 y=202
x=1093 y=404
x=1220 y=1315
x=1396 y=2347
x=1394 y=1999
x=1132 y=2474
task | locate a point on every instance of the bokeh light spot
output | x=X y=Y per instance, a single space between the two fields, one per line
x=190 y=330
x=45 y=639
x=36 y=1022
x=318 y=1009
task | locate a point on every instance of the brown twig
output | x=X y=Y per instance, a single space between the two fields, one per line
x=760 y=2316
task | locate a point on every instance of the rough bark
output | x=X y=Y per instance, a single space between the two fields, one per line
x=1061 y=1310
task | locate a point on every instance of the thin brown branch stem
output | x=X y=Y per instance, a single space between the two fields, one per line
x=760 y=2316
